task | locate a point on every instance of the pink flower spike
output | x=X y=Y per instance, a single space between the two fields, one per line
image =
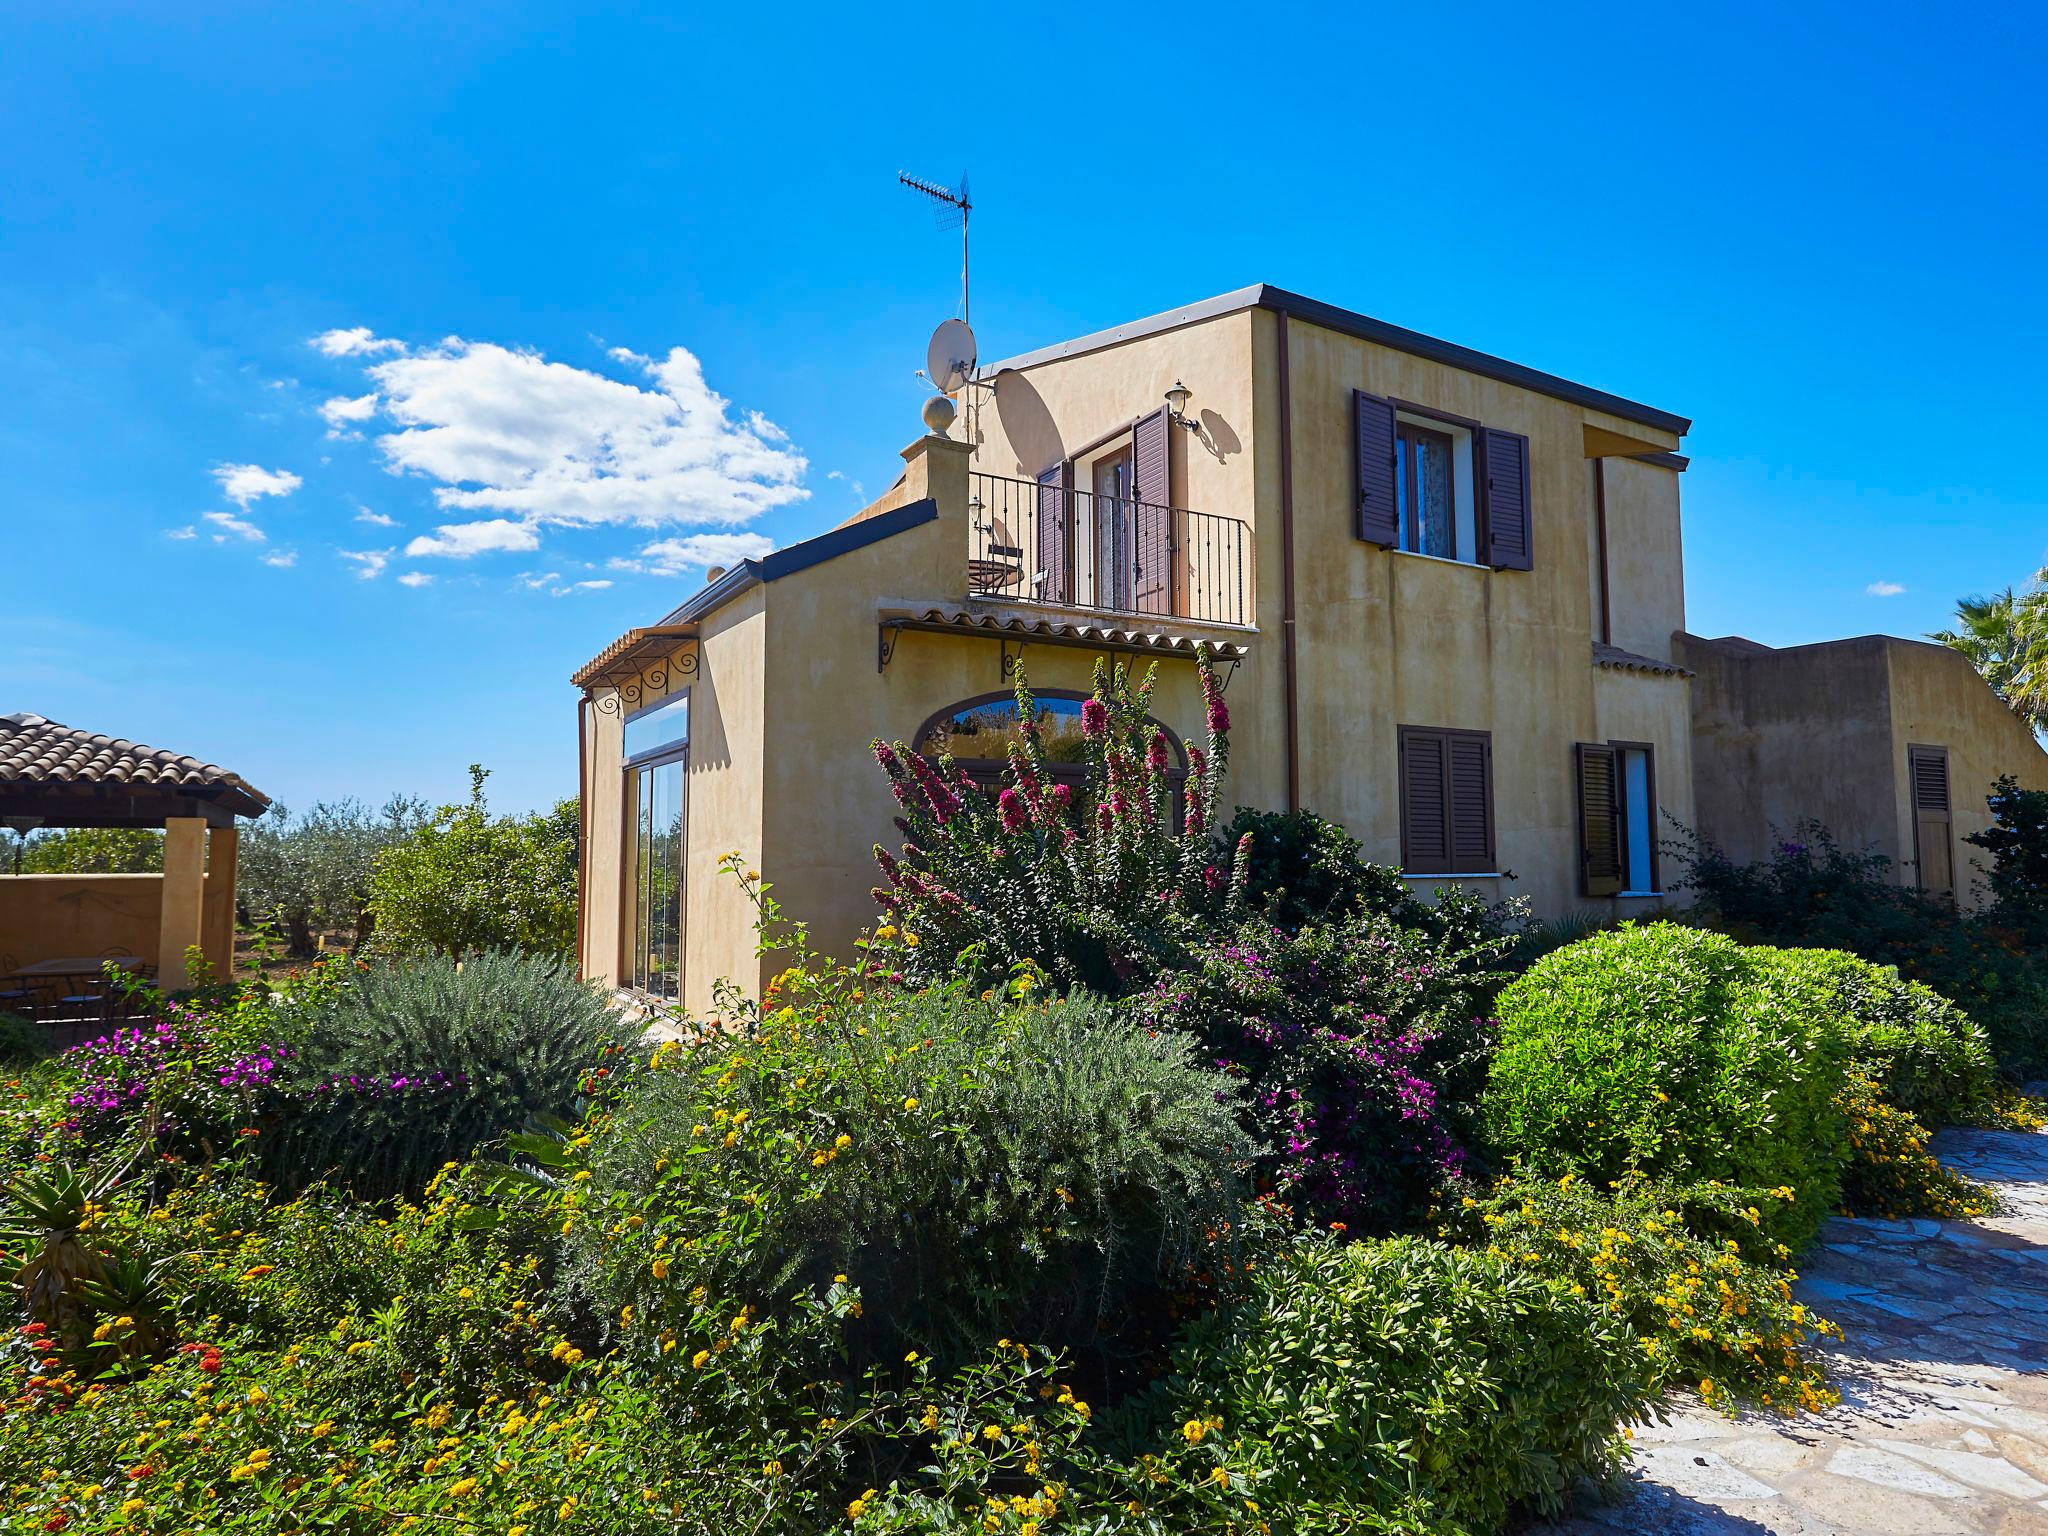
x=1094 y=717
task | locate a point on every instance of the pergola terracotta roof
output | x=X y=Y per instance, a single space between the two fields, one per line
x=71 y=777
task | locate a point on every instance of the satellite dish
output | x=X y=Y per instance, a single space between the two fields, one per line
x=949 y=360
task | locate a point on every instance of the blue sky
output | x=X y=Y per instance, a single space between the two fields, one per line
x=1819 y=231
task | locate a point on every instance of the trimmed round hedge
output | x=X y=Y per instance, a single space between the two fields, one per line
x=1682 y=1054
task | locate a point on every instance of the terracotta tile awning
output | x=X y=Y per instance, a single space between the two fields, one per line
x=1018 y=630
x=45 y=763
x=1628 y=661
x=626 y=656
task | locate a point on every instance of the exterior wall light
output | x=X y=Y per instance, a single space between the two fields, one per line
x=1177 y=399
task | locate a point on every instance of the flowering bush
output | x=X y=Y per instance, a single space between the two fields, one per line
x=1891 y=1173
x=1443 y=1387
x=1359 y=1043
x=1690 y=1269
x=1099 y=888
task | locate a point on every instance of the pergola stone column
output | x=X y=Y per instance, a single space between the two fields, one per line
x=181 y=922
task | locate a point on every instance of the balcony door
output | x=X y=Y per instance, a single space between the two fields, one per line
x=1115 y=546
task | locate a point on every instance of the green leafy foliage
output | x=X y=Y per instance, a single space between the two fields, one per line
x=1446 y=1387
x=1688 y=1269
x=1813 y=893
x=401 y=1068
x=1099 y=887
x=991 y=1165
x=21 y=1040
x=92 y=851
x=2017 y=840
x=468 y=881
x=1301 y=869
x=311 y=872
x=1676 y=1053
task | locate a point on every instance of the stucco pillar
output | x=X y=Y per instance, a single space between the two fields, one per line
x=223 y=845
x=181 y=921
x=937 y=467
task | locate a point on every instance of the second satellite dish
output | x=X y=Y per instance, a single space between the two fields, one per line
x=949 y=360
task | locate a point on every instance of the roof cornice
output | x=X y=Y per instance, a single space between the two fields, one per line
x=1351 y=323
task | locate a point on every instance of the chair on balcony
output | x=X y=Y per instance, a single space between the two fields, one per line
x=999 y=567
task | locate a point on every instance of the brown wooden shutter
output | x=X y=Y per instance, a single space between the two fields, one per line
x=1054 y=541
x=1504 y=474
x=1425 y=803
x=1933 y=852
x=1471 y=780
x=1379 y=520
x=1152 y=517
x=1600 y=866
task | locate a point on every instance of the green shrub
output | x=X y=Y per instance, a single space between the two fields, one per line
x=1676 y=1053
x=1449 y=1387
x=22 y=1040
x=1303 y=869
x=988 y=1166
x=1924 y=1053
x=312 y=871
x=409 y=1065
x=1813 y=893
x=1687 y=1268
x=2017 y=841
x=467 y=881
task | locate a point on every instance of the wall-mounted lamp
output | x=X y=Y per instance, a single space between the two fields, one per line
x=1177 y=399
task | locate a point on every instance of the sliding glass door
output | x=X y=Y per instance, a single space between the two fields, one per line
x=657 y=763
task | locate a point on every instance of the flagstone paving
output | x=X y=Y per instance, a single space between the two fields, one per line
x=1943 y=1425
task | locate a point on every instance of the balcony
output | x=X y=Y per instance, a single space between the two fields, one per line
x=1032 y=542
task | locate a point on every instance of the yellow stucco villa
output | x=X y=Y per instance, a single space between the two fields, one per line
x=1447 y=591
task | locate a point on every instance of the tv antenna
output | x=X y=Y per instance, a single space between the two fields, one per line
x=950 y=210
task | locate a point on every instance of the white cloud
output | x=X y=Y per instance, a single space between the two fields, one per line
x=459 y=541
x=356 y=341
x=582 y=586
x=415 y=579
x=535 y=583
x=672 y=557
x=186 y=532
x=283 y=559
x=834 y=474
x=1884 y=589
x=510 y=432
x=244 y=483
x=370 y=563
x=340 y=412
x=374 y=519
x=231 y=524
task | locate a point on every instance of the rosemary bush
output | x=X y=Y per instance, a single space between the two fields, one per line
x=407 y=1066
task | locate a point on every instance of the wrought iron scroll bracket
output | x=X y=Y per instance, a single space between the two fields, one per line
x=886 y=636
x=1227 y=667
x=1008 y=660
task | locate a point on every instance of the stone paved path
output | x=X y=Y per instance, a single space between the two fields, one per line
x=1943 y=1425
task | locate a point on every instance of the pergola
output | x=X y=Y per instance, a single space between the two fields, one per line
x=54 y=775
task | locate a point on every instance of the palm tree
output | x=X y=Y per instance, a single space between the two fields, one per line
x=2005 y=637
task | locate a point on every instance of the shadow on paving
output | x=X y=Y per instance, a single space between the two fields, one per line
x=1943 y=1373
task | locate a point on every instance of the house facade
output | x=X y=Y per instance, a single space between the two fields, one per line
x=1446 y=591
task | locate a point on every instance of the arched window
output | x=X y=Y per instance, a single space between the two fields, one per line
x=978 y=733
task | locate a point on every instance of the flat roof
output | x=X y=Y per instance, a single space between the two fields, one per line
x=1351 y=323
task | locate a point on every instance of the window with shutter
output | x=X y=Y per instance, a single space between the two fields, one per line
x=1446 y=779
x=1152 y=514
x=1378 y=511
x=1600 y=861
x=1504 y=475
x=1054 y=576
x=1933 y=853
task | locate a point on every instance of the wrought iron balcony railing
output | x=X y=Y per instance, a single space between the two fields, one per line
x=1041 y=543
